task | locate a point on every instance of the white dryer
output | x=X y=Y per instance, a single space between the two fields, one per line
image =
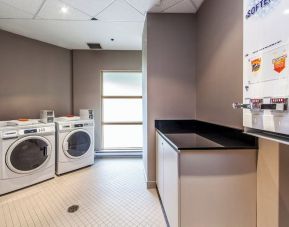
x=75 y=144
x=27 y=154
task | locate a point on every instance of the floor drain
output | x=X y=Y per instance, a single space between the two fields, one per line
x=72 y=208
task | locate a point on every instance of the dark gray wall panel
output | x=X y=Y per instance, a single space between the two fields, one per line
x=220 y=61
x=34 y=76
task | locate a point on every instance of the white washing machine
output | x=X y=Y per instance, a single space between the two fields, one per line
x=27 y=154
x=75 y=144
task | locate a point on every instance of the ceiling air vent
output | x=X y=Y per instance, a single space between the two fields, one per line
x=94 y=46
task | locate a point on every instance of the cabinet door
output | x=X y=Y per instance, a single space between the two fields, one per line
x=160 y=165
x=171 y=184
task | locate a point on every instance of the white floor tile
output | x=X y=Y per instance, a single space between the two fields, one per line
x=110 y=193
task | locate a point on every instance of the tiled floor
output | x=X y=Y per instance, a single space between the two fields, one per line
x=110 y=193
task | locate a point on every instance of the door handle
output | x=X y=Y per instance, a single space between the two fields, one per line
x=44 y=151
x=241 y=106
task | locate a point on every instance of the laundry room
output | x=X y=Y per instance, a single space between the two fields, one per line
x=144 y=113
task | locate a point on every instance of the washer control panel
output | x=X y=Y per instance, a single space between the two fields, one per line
x=9 y=134
x=26 y=131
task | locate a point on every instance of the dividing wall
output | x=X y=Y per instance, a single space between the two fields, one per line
x=168 y=76
x=220 y=61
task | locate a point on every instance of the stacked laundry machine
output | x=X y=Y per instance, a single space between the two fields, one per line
x=32 y=151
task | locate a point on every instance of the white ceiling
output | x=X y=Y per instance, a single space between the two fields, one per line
x=121 y=20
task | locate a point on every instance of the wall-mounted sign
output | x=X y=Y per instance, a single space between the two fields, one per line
x=266 y=73
x=260 y=7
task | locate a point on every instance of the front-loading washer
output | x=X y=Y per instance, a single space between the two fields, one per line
x=27 y=154
x=75 y=144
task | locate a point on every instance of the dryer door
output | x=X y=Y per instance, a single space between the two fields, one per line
x=28 y=154
x=77 y=143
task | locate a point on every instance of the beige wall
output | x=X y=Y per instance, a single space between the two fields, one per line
x=268 y=184
x=34 y=76
x=169 y=76
x=273 y=184
x=219 y=61
x=284 y=186
x=87 y=67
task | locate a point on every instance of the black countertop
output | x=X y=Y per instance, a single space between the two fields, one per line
x=198 y=135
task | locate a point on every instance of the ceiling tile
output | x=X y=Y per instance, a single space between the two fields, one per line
x=198 y=3
x=112 y=23
x=52 y=10
x=143 y=5
x=91 y=7
x=29 y=6
x=7 y=11
x=164 y=5
x=185 y=6
x=127 y=35
x=120 y=10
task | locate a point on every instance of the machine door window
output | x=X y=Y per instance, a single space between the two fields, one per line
x=77 y=144
x=28 y=154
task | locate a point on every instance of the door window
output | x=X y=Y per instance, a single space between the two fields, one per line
x=29 y=154
x=78 y=144
x=121 y=111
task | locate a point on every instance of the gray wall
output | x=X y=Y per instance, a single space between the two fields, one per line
x=169 y=76
x=34 y=76
x=219 y=61
x=87 y=68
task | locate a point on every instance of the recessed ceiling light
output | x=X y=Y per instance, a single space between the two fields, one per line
x=286 y=11
x=64 y=9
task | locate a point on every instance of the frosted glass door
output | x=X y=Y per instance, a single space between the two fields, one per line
x=121 y=110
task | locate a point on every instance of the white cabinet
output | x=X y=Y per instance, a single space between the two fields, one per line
x=168 y=180
x=171 y=185
x=160 y=165
x=207 y=188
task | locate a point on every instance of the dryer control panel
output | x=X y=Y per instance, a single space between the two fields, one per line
x=75 y=125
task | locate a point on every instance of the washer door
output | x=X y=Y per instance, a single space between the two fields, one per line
x=76 y=144
x=28 y=154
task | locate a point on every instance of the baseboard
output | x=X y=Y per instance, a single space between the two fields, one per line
x=118 y=154
x=150 y=184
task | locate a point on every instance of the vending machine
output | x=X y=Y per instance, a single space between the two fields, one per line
x=265 y=66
